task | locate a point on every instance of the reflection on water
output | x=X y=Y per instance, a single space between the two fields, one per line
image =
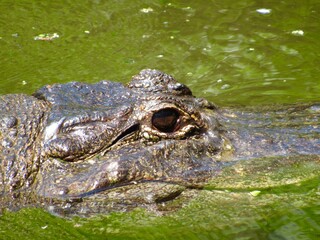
x=233 y=53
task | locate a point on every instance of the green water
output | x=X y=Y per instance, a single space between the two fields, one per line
x=231 y=52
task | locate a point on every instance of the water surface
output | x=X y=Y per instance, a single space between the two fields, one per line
x=243 y=52
x=231 y=52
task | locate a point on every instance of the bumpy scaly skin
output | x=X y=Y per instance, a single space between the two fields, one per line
x=21 y=124
x=85 y=149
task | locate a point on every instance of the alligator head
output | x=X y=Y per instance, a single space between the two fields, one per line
x=94 y=148
x=103 y=136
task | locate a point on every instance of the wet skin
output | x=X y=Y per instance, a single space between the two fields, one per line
x=94 y=148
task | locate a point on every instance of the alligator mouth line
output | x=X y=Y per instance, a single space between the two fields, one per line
x=79 y=197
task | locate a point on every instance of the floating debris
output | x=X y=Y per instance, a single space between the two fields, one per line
x=225 y=86
x=255 y=193
x=264 y=11
x=146 y=10
x=87 y=31
x=297 y=32
x=46 y=36
x=187 y=8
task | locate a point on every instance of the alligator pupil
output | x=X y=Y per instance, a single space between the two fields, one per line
x=165 y=120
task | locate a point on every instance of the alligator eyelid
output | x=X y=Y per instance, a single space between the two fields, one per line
x=130 y=130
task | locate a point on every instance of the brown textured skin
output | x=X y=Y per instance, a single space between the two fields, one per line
x=21 y=125
x=83 y=149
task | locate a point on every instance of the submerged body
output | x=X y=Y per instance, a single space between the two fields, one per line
x=82 y=149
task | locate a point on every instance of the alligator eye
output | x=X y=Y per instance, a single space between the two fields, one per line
x=166 y=120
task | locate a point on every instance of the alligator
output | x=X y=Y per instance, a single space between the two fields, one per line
x=81 y=148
